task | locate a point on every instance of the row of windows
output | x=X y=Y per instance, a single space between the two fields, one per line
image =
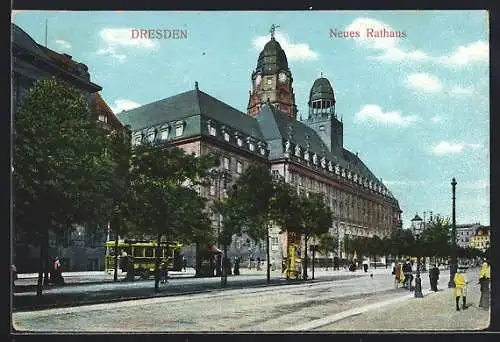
x=239 y=141
x=158 y=135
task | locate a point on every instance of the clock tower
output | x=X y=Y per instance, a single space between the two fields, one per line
x=272 y=80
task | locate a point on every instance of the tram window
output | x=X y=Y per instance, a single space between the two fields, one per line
x=149 y=252
x=111 y=251
x=139 y=252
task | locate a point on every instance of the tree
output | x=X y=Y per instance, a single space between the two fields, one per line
x=316 y=219
x=375 y=247
x=402 y=242
x=436 y=238
x=252 y=206
x=61 y=173
x=327 y=244
x=161 y=195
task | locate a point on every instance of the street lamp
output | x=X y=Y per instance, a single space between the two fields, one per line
x=453 y=266
x=219 y=176
x=418 y=281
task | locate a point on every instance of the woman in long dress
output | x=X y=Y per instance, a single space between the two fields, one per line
x=484 y=281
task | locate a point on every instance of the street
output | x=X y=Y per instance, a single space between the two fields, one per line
x=275 y=308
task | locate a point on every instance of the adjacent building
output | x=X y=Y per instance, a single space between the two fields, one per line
x=31 y=62
x=465 y=232
x=308 y=154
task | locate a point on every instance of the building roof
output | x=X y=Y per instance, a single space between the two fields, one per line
x=193 y=103
x=51 y=61
x=272 y=58
x=276 y=126
x=321 y=90
x=416 y=218
x=101 y=108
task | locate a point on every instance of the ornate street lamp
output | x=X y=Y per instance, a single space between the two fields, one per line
x=418 y=281
x=453 y=266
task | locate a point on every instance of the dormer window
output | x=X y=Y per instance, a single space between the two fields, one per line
x=211 y=128
x=315 y=159
x=306 y=155
x=164 y=134
x=251 y=146
x=226 y=136
x=343 y=173
x=179 y=130
x=151 y=137
x=138 y=139
x=330 y=166
x=103 y=118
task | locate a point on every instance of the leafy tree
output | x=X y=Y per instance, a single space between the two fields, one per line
x=61 y=173
x=327 y=244
x=316 y=219
x=251 y=208
x=436 y=238
x=161 y=199
x=375 y=247
x=403 y=242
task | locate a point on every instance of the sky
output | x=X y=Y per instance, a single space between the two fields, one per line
x=415 y=107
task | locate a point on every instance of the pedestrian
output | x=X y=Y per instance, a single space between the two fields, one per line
x=460 y=290
x=393 y=265
x=408 y=276
x=163 y=273
x=484 y=281
x=58 y=278
x=365 y=265
x=258 y=264
x=434 y=277
x=184 y=263
x=236 y=270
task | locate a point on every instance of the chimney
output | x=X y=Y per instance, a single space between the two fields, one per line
x=196 y=85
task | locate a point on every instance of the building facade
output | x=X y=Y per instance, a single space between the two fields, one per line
x=307 y=154
x=465 y=232
x=78 y=249
x=481 y=238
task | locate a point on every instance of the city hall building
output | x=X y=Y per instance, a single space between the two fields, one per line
x=309 y=154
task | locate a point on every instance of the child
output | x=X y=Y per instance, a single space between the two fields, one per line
x=460 y=288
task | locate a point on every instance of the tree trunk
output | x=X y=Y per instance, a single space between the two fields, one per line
x=305 y=258
x=197 y=265
x=43 y=261
x=313 y=260
x=115 y=274
x=268 y=279
x=157 y=263
x=224 y=264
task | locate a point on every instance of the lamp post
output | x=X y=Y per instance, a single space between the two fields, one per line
x=453 y=266
x=219 y=176
x=418 y=281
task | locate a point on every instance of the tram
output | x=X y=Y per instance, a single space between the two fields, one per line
x=141 y=256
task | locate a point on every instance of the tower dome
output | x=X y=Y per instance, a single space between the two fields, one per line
x=321 y=90
x=272 y=58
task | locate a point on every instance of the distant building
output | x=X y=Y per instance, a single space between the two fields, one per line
x=481 y=238
x=465 y=232
x=417 y=225
x=31 y=62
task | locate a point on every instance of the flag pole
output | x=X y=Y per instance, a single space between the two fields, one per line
x=46 y=24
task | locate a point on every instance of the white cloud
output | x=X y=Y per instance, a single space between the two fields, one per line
x=466 y=54
x=459 y=90
x=294 y=51
x=445 y=147
x=63 y=44
x=375 y=113
x=389 y=50
x=423 y=82
x=437 y=119
x=124 y=104
x=116 y=38
x=474 y=146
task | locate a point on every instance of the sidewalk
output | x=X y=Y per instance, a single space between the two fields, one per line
x=435 y=312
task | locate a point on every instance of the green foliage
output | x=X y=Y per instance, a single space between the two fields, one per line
x=285 y=208
x=436 y=237
x=61 y=173
x=162 y=202
x=403 y=242
x=316 y=215
x=327 y=244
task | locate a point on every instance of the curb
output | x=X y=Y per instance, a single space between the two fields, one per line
x=353 y=312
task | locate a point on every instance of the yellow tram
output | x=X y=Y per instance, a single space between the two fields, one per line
x=141 y=256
